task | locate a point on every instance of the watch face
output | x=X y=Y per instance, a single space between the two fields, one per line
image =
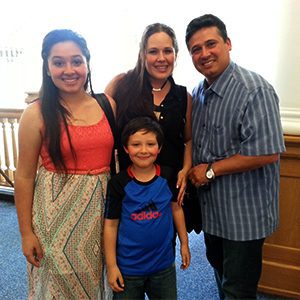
x=209 y=174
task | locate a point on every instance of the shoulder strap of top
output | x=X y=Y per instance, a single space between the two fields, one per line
x=106 y=107
x=182 y=97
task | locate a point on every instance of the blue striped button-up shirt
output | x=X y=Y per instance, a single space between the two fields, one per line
x=238 y=114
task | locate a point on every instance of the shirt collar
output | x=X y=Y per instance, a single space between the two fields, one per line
x=218 y=85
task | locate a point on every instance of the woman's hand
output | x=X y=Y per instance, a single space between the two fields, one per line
x=181 y=185
x=32 y=249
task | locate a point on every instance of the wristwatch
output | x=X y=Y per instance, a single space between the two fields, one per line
x=210 y=174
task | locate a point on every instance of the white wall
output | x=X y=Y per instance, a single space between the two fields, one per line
x=258 y=30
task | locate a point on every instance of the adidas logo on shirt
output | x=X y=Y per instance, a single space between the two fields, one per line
x=148 y=212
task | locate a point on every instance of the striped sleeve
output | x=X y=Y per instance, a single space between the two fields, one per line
x=261 y=131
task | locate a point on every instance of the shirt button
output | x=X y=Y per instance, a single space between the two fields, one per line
x=162 y=105
x=161 y=117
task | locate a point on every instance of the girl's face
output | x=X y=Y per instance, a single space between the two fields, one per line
x=160 y=56
x=67 y=67
x=142 y=148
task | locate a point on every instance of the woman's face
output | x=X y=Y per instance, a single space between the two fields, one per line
x=160 y=56
x=67 y=67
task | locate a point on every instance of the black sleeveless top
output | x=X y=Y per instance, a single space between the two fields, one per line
x=172 y=119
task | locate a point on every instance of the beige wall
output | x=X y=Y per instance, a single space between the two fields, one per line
x=288 y=67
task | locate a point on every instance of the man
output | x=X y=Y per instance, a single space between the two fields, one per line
x=237 y=139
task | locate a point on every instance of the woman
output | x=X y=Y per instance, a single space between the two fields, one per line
x=149 y=90
x=60 y=208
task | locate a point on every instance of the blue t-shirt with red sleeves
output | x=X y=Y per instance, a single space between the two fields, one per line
x=145 y=233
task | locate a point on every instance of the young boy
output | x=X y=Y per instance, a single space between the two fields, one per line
x=138 y=226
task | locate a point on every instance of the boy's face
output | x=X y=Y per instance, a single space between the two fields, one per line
x=142 y=149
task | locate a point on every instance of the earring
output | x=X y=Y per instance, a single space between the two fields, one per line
x=48 y=73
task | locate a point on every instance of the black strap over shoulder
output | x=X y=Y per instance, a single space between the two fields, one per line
x=106 y=107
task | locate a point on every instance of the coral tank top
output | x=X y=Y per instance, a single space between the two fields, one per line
x=93 y=146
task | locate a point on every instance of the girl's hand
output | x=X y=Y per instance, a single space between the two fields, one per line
x=32 y=249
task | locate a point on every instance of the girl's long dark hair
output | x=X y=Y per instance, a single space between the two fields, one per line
x=52 y=111
x=133 y=93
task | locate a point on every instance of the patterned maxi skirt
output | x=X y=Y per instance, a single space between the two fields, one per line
x=68 y=221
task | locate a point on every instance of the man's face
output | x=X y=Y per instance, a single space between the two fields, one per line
x=210 y=54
